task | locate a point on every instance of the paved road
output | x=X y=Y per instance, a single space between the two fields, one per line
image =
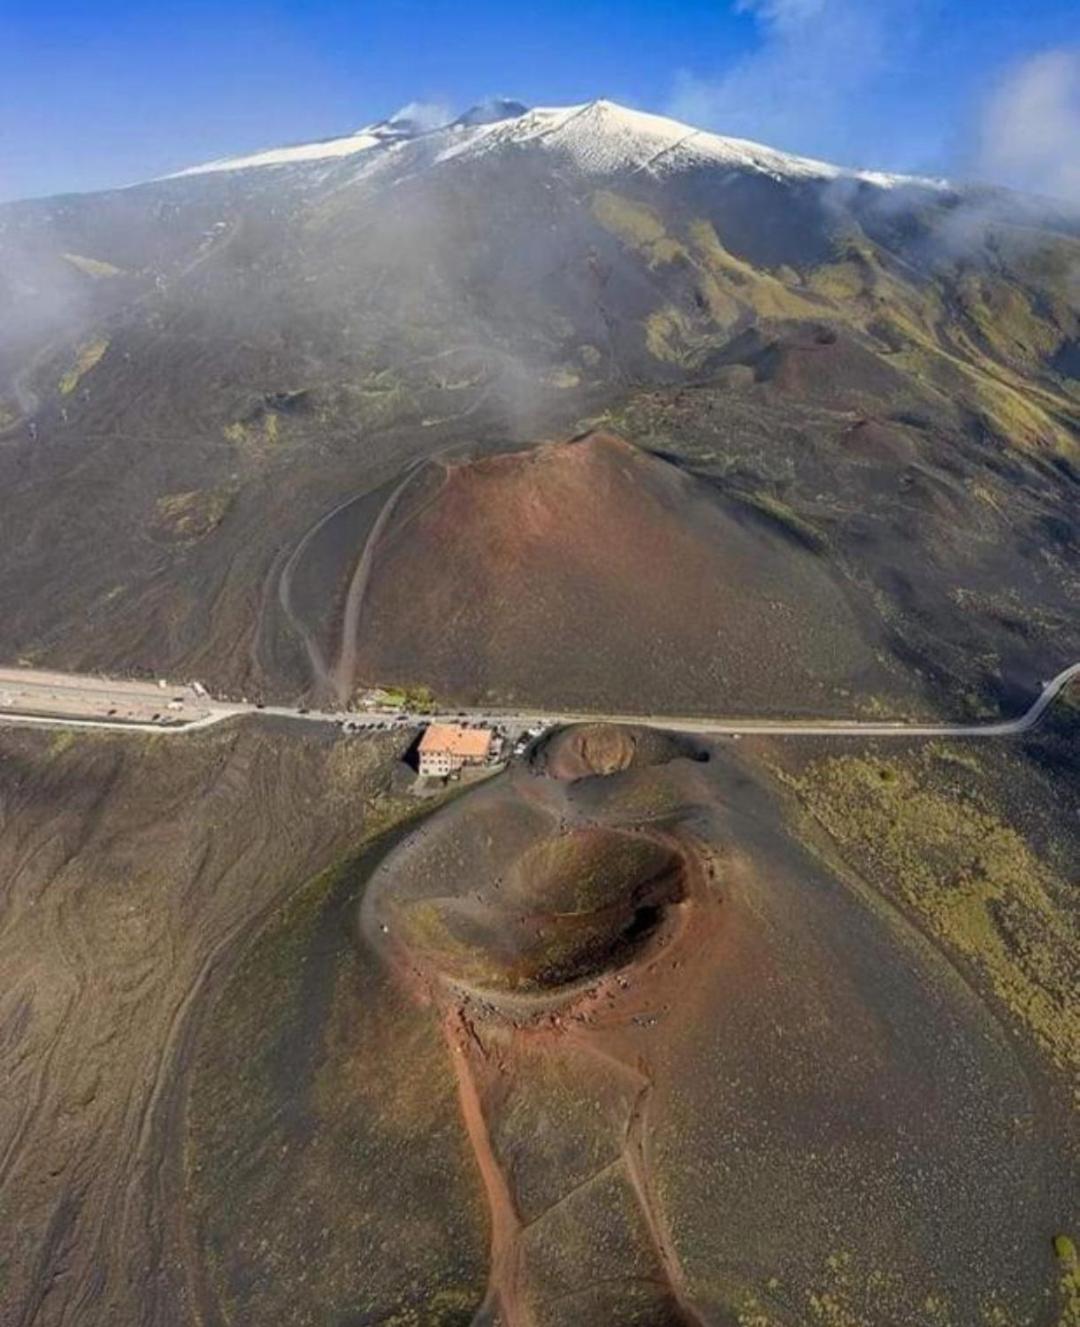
x=32 y=698
x=80 y=698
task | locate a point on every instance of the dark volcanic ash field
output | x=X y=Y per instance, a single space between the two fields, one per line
x=640 y=1031
x=654 y=1033
x=210 y=386
x=603 y=1041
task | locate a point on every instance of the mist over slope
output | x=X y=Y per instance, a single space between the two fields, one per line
x=194 y=371
x=563 y=407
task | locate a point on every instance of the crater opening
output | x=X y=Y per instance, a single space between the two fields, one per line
x=592 y=750
x=570 y=907
x=644 y=921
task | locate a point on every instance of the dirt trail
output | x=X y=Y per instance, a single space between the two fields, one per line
x=635 y=1153
x=334 y=682
x=507 y=1300
x=504 y=1301
x=593 y=1032
x=322 y=677
x=342 y=678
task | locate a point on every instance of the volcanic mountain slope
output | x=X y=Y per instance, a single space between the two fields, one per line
x=637 y=1048
x=133 y=875
x=196 y=370
x=672 y=1045
x=640 y=1041
x=968 y=551
x=592 y=575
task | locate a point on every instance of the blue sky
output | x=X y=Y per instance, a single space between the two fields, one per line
x=104 y=94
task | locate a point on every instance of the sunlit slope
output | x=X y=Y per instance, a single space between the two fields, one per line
x=639 y=1049
x=585 y=253
x=195 y=370
x=592 y=574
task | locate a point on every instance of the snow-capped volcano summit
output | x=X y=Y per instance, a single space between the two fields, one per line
x=490 y=112
x=599 y=137
x=224 y=354
x=397 y=128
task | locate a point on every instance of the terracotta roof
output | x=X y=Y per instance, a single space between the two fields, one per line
x=452 y=740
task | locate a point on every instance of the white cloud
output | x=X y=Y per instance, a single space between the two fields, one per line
x=426 y=114
x=805 y=85
x=1030 y=128
x=782 y=12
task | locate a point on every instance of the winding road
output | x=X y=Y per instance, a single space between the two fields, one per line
x=74 y=701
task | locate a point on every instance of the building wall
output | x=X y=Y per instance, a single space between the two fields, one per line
x=438 y=764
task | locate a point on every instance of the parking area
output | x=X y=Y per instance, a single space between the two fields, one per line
x=58 y=696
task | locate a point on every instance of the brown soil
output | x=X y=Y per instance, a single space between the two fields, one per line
x=134 y=871
x=826 y=366
x=596 y=575
x=575 y=904
x=228 y=1103
x=880 y=443
x=648 y=1121
x=551 y=943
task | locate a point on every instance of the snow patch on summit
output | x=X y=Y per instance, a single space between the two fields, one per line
x=599 y=138
x=325 y=148
x=604 y=138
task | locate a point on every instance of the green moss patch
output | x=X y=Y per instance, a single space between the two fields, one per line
x=973 y=880
x=88 y=357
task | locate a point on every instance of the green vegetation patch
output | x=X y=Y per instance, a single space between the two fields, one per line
x=92 y=267
x=637 y=225
x=972 y=879
x=1069 y=1284
x=87 y=358
x=417 y=698
x=785 y=519
x=192 y=514
x=671 y=336
x=739 y=283
x=380 y=401
x=256 y=433
x=60 y=741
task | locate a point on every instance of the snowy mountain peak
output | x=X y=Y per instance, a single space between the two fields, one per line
x=412 y=119
x=603 y=137
x=410 y=122
x=322 y=150
x=491 y=112
x=599 y=138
